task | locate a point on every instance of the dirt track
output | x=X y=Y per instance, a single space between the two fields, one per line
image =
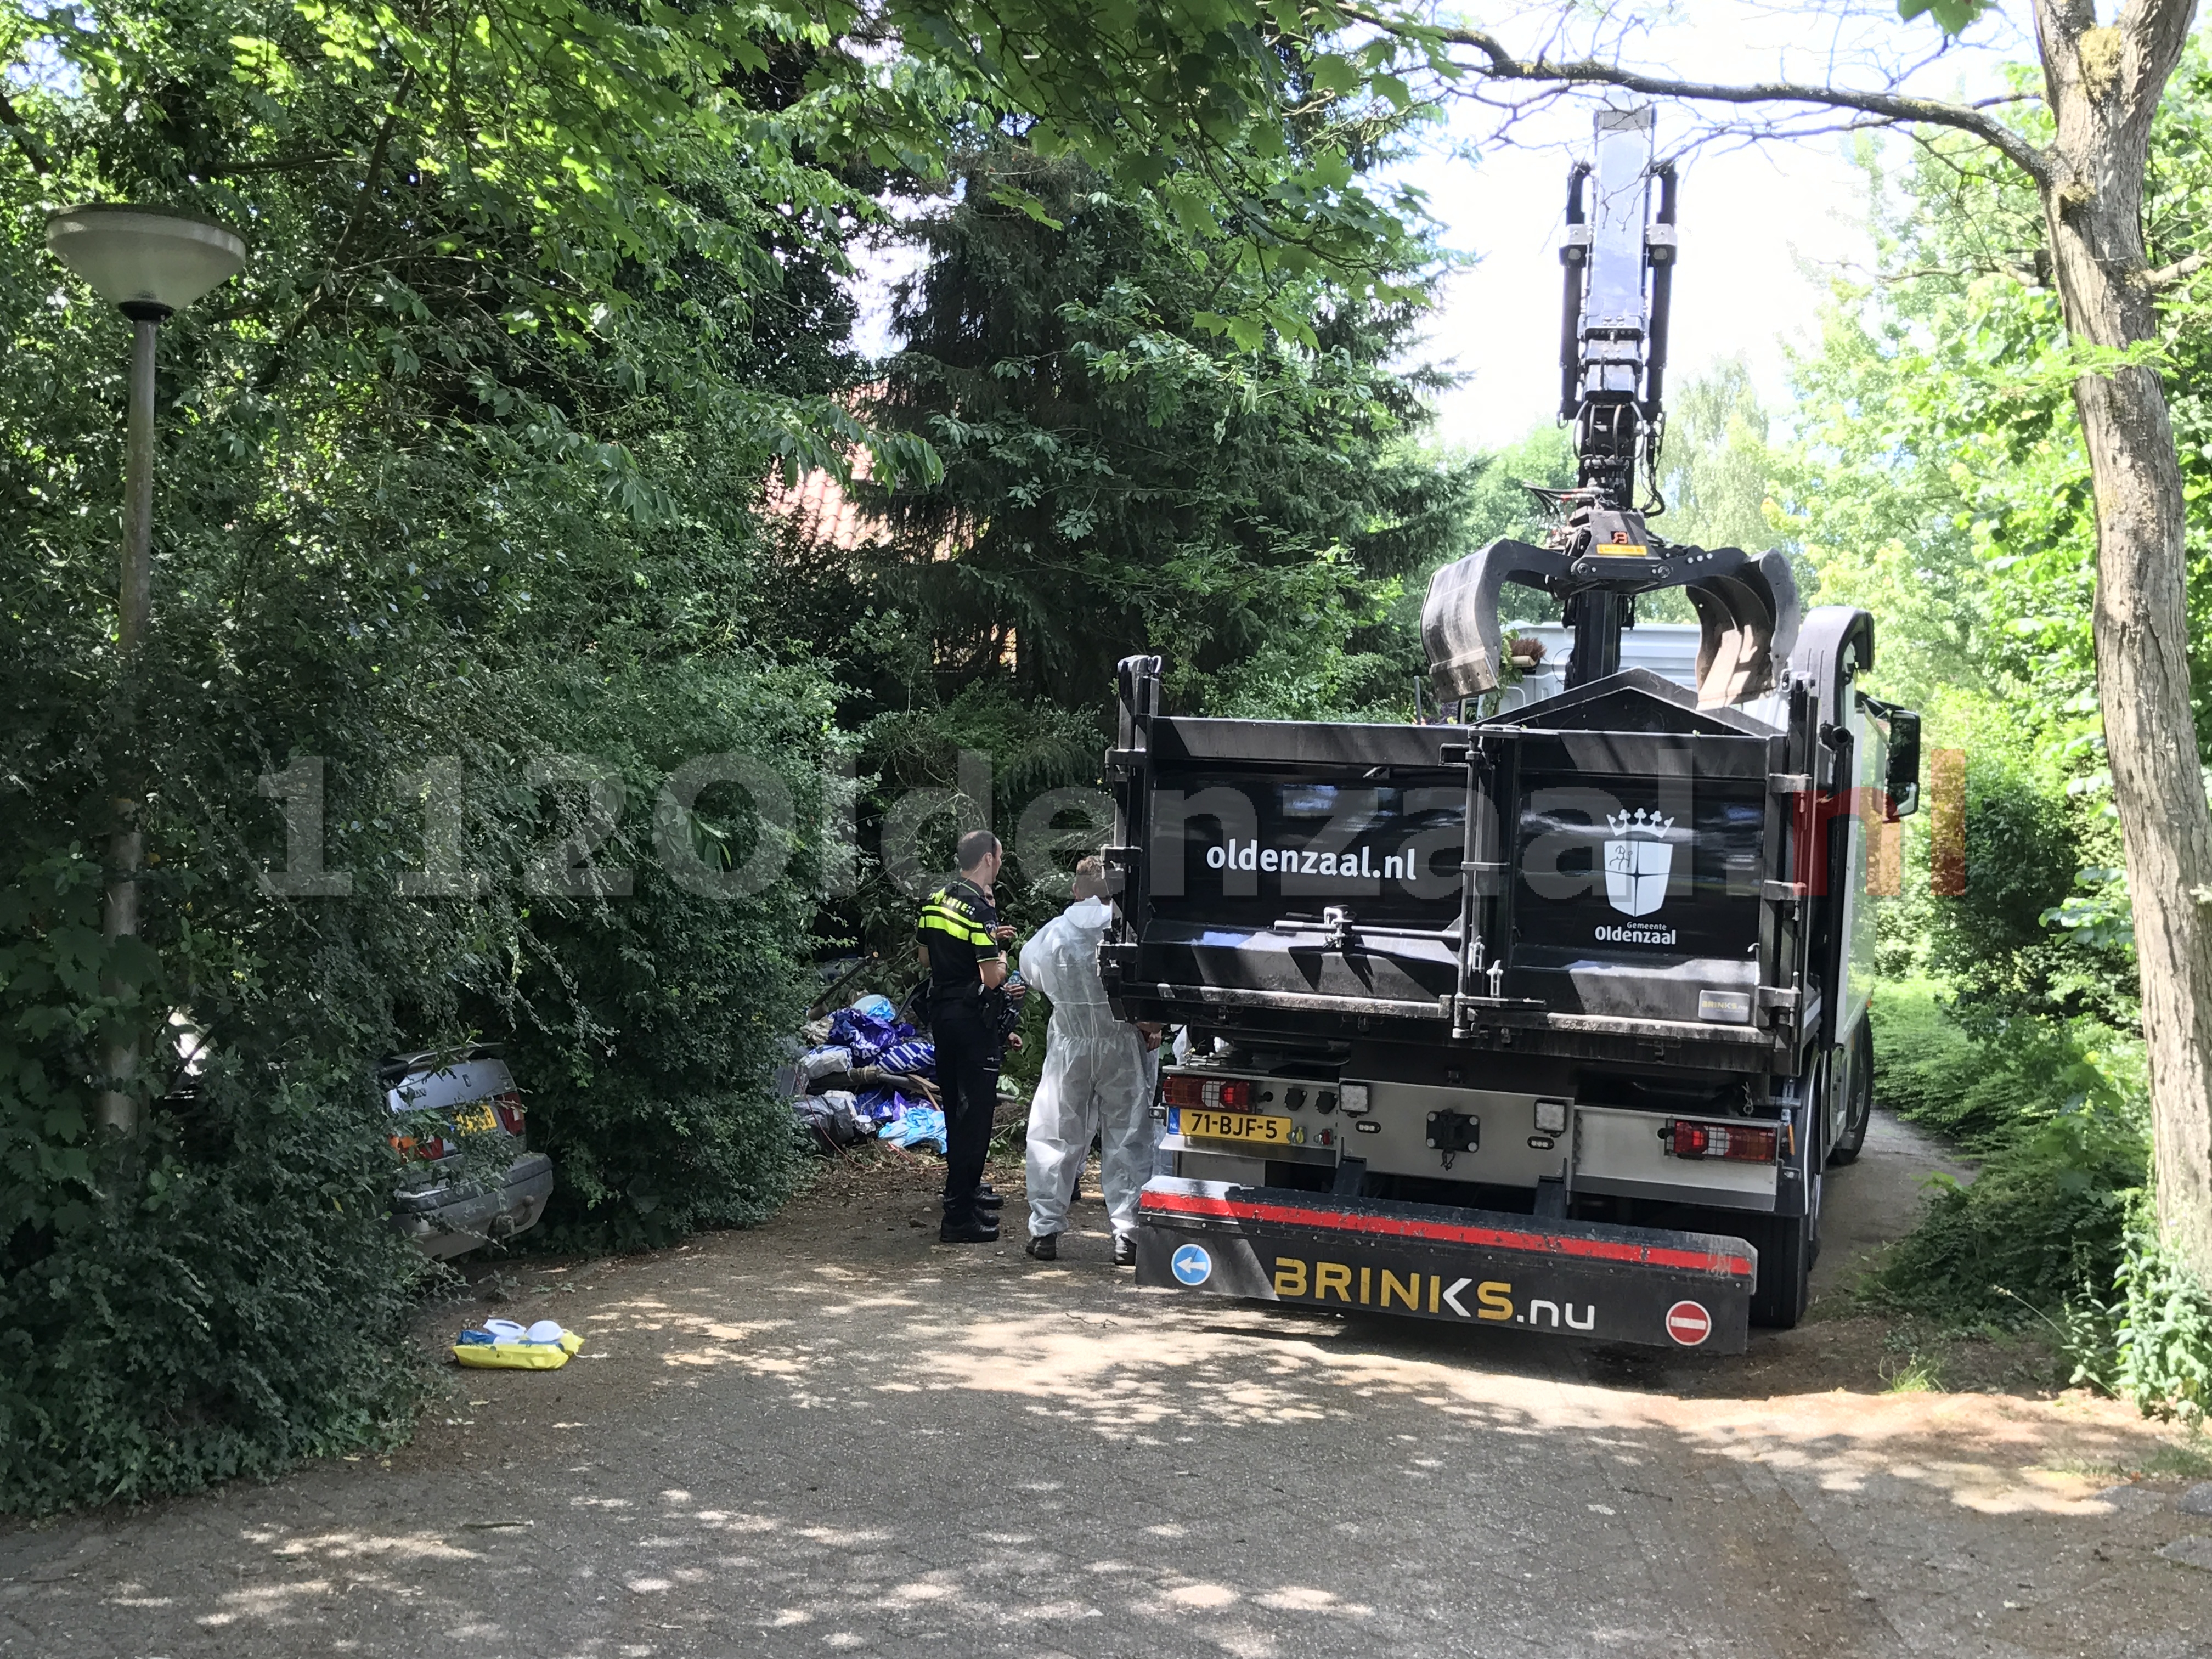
x=833 y=1434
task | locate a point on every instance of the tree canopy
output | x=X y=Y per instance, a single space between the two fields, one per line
x=463 y=567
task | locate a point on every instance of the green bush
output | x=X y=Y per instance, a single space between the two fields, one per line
x=2041 y=1222
x=2032 y=822
x=2161 y=1329
x=1977 y=1078
x=2152 y=1343
x=225 y=1295
x=222 y=1297
x=2057 y=1112
x=430 y=606
x=2016 y=1041
x=645 y=1029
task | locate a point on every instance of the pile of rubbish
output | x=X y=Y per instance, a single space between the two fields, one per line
x=868 y=1073
x=507 y=1345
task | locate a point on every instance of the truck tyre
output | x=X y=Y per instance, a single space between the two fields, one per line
x=1858 y=1105
x=1785 y=1245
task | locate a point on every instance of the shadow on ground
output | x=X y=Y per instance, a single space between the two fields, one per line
x=834 y=1435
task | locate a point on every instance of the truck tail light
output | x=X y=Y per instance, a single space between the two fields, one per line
x=1737 y=1142
x=1199 y=1093
x=509 y=1107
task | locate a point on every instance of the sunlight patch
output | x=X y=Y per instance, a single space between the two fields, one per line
x=1204 y=1597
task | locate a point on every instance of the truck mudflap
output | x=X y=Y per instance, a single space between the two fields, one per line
x=1639 y=1285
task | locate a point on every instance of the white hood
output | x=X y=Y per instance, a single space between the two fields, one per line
x=1092 y=916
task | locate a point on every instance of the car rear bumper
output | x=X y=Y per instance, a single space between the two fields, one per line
x=446 y=1222
x=1672 y=1289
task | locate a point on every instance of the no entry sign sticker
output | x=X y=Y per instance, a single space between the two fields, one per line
x=1688 y=1323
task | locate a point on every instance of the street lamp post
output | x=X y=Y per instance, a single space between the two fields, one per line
x=149 y=264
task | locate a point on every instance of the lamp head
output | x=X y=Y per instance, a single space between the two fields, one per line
x=146 y=262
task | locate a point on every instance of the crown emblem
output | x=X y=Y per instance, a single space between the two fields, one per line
x=1639 y=822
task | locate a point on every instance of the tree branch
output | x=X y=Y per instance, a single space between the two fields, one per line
x=374 y=175
x=34 y=147
x=2158 y=31
x=2174 y=275
x=1499 y=64
x=275 y=164
x=370 y=177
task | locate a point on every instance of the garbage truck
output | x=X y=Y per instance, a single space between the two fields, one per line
x=1546 y=1011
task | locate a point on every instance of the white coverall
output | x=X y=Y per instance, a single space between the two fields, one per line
x=1097 y=1077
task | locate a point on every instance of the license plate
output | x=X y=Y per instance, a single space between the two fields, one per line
x=475 y=1121
x=1233 y=1126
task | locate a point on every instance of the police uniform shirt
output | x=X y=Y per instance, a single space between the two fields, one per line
x=955 y=928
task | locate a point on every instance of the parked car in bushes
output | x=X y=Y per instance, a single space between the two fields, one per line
x=459 y=1130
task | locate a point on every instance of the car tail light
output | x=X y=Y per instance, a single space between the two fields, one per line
x=1737 y=1142
x=509 y=1107
x=420 y=1149
x=1201 y=1093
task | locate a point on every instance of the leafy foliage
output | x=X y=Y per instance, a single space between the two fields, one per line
x=1952 y=16
x=1122 y=475
x=1204 y=113
x=1717 y=468
x=1123 y=471
x=457 y=491
x=2161 y=1328
x=1944 y=480
x=2152 y=1342
x=1940 y=482
x=233 y=1306
x=2057 y=1111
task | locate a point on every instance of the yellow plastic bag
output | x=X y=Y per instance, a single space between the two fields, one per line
x=519 y=1356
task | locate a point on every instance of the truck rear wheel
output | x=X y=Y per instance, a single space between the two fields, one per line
x=1785 y=1246
x=1858 y=1103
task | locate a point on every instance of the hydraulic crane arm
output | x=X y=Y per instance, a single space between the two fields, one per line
x=1618 y=266
x=1619 y=273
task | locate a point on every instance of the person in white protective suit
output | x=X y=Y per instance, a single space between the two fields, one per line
x=1098 y=1079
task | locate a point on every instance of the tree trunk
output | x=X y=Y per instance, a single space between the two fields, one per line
x=2103 y=84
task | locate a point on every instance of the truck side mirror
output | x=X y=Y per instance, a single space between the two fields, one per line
x=1901 y=782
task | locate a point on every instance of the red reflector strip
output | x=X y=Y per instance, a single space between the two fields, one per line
x=1445 y=1232
x=1737 y=1142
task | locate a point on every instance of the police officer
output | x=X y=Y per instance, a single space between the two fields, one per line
x=964 y=946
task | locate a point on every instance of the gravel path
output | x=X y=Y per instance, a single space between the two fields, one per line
x=833 y=1435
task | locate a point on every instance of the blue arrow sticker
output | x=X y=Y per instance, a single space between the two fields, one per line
x=1191 y=1264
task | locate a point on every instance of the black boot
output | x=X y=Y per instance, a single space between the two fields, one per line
x=975 y=1230
x=1125 y=1249
x=1045 y=1246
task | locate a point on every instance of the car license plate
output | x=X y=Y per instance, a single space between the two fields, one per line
x=1233 y=1126
x=475 y=1120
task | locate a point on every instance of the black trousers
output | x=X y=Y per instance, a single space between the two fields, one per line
x=967 y=1052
